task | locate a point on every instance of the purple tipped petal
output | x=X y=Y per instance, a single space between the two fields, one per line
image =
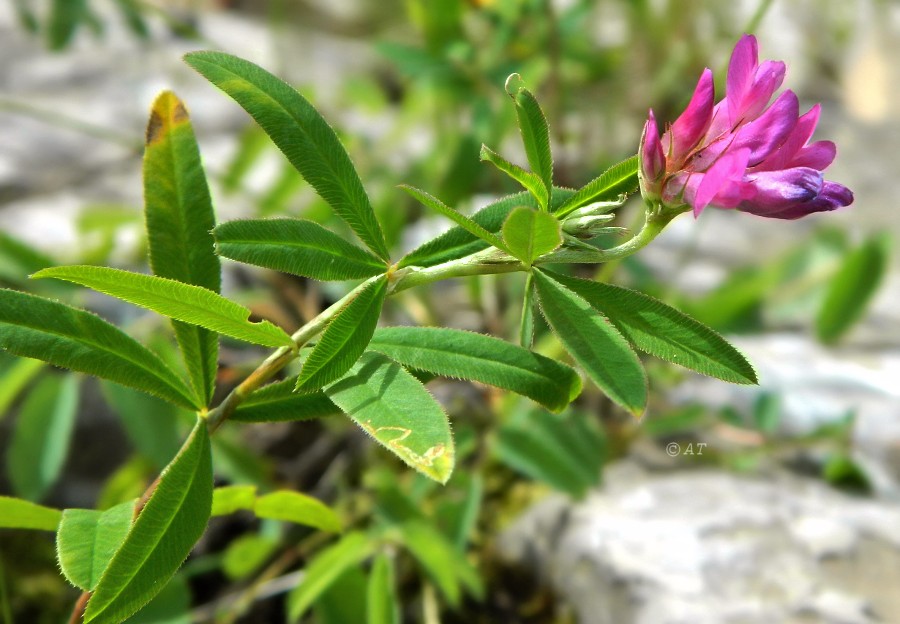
x=779 y=190
x=653 y=161
x=768 y=132
x=728 y=170
x=692 y=124
x=784 y=157
x=741 y=71
x=833 y=196
x=818 y=155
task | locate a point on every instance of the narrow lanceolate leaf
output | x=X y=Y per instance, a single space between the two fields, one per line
x=298 y=508
x=395 y=408
x=325 y=569
x=16 y=513
x=231 y=498
x=279 y=402
x=161 y=538
x=618 y=179
x=70 y=338
x=447 y=566
x=526 y=324
x=535 y=136
x=460 y=219
x=40 y=441
x=531 y=234
x=852 y=287
x=301 y=133
x=179 y=217
x=594 y=343
x=476 y=357
x=530 y=181
x=662 y=331
x=87 y=540
x=382 y=606
x=344 y=339
x=183 y=302
x=14 y=379
x=295 y=246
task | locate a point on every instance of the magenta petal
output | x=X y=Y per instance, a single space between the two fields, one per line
x=779 y=190
x=784 y=157
x=653 y=162
x=693 y=122
x=741 y=71
x=818 y=155
x=768 y=132
x=769 y=77
x=729 y=169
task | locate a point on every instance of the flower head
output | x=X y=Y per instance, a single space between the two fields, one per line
x=741 y=153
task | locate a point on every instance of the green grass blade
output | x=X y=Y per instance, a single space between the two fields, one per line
x=460 y=219
x=301 y=133
x=70 y=338
x=183 y=302
x=594 y=343
x=295 y=246
x=179 y=217
x=664 y=332
x=395 y=408
x=476 y=357
x=161 y=538
x=618 y=179
x=344 y=339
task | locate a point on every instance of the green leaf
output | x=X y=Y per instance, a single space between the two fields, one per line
x=344 y=339
x=476 y=357
x=663 y=331
x=531 y=234
x=552 y=449
x=63 y=336
x=345 y=599
x=535 y=135
x=65 y=16
x=16 y=513
x=324 y=570
x=162 y=536
x=40 y=441
x=853 y=287
x=87 y=540
x=618 y=179
x=531 y=182
x=278 y=402
x=446 y=566
x=179 y=217
x=526 y=324
x=18 y=260
x=171 y=605
x=231 y=498
x=460 y=219
x=131 y=13
x=383 y=607
x=595 y=344
x=14 y=378
x=301 y=133
x=298 y=508
x=247 y=554
x=184 y=302
x=394 y=408
x=295 y=246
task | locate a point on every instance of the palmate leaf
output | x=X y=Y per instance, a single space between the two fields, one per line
x=16 y=513
x=183 y=302
x=179 y=217
x=70 y=338
x=618 y=179
x=295 y=246
x=301 y=133
x=662 y=331
x=530 y=181
x=162 y=536
x=278 y=402
x=394 y=408
x=87 y=540
x=531 y=234
x=476 y=357
x=344 y=339
x=460 y=219
x=594 y=343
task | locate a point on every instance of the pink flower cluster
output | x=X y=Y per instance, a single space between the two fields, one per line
x=742 y=153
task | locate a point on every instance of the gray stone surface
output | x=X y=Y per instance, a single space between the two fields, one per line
x=704 y=547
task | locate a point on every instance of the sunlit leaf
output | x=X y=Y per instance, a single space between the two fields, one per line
x=394 y=408
x=183 y=302
x=70 y=338
x=87 y=540
x=301 y=133
x=16 y=513
x=298 y=508
x=295 y=246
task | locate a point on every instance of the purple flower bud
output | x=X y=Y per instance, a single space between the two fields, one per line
x=741 y=153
